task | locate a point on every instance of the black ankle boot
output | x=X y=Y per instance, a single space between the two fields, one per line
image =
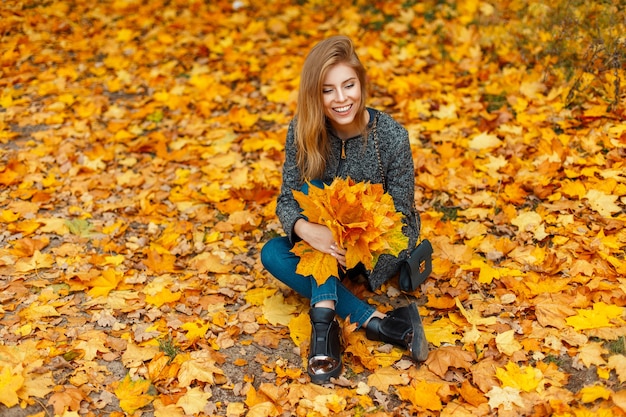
x=325 y=351
x=402 y=327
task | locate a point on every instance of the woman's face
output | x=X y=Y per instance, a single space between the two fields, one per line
x=341 y=92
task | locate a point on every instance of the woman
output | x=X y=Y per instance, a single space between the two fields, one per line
x=332 y=136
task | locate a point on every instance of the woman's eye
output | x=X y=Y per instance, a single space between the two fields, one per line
x=326 y=91
x=349 y=85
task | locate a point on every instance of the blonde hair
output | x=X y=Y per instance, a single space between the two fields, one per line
x=312 y=142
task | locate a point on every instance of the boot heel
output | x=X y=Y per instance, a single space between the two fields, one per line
x=418 y=345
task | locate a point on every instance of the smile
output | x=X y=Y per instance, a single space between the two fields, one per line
x=342 y=109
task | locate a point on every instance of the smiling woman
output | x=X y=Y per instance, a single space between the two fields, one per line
x=334 y=135
x=342 y=101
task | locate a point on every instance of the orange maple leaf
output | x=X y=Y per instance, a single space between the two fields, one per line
x=362 y=218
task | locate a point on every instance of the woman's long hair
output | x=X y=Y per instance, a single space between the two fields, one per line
x=312 y=142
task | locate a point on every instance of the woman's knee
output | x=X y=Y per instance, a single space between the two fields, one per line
x=272 y=251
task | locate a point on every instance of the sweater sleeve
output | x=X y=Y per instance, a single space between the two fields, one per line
x=399 y=169
x=287 y=208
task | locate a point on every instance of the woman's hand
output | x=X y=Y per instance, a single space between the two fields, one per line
x=320 y=238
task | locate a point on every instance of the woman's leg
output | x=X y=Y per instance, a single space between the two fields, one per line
x=402 y=327
x=278 y=259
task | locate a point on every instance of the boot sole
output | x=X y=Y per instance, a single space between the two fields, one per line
x=419 y=344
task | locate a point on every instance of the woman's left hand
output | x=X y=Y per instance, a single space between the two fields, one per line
x=339 y=254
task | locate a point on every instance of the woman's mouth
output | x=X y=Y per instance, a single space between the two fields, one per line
x=343 y=109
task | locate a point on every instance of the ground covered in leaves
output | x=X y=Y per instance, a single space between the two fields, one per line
x=141 y=146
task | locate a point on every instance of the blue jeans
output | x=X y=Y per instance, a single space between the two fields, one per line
x=281 y=263
x=277 y=258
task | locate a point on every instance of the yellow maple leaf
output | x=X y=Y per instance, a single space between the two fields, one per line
x=105 y=283
x=196 y=329
x=300 y=328
x=208 y=262
x=599 y=316
x=194 y=400
x=256 y=296
x=384 y=377
x=11 y=381
x=618 y=363
x=135 y=356
x=525 y=378
x=37 y=261
x=440 y=360
x=159 y=262
x=36 y=311
x=441 y=331
x=474 y=317
x=422 y=394
x=603 y=203
x=197 y=366
x=276 y=311
x=593 y=393
x=165 y=410
x=163 y=297
x=487 y=273
x=506 y=342
x=592 y=354
x=314 y=263
x=91 y=347
x=134 y=394
x=158 y=291
x=484 y=141
x=505 y=397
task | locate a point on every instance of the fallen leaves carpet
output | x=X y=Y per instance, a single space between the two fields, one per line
x=141 y=148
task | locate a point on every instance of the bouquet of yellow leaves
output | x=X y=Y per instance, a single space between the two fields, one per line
x=363 y=220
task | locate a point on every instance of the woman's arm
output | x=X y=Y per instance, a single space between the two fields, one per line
x=287 y=208
x=397 y=162
x=295 y=225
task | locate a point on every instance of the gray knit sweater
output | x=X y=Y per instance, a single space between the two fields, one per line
x=361 y=163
